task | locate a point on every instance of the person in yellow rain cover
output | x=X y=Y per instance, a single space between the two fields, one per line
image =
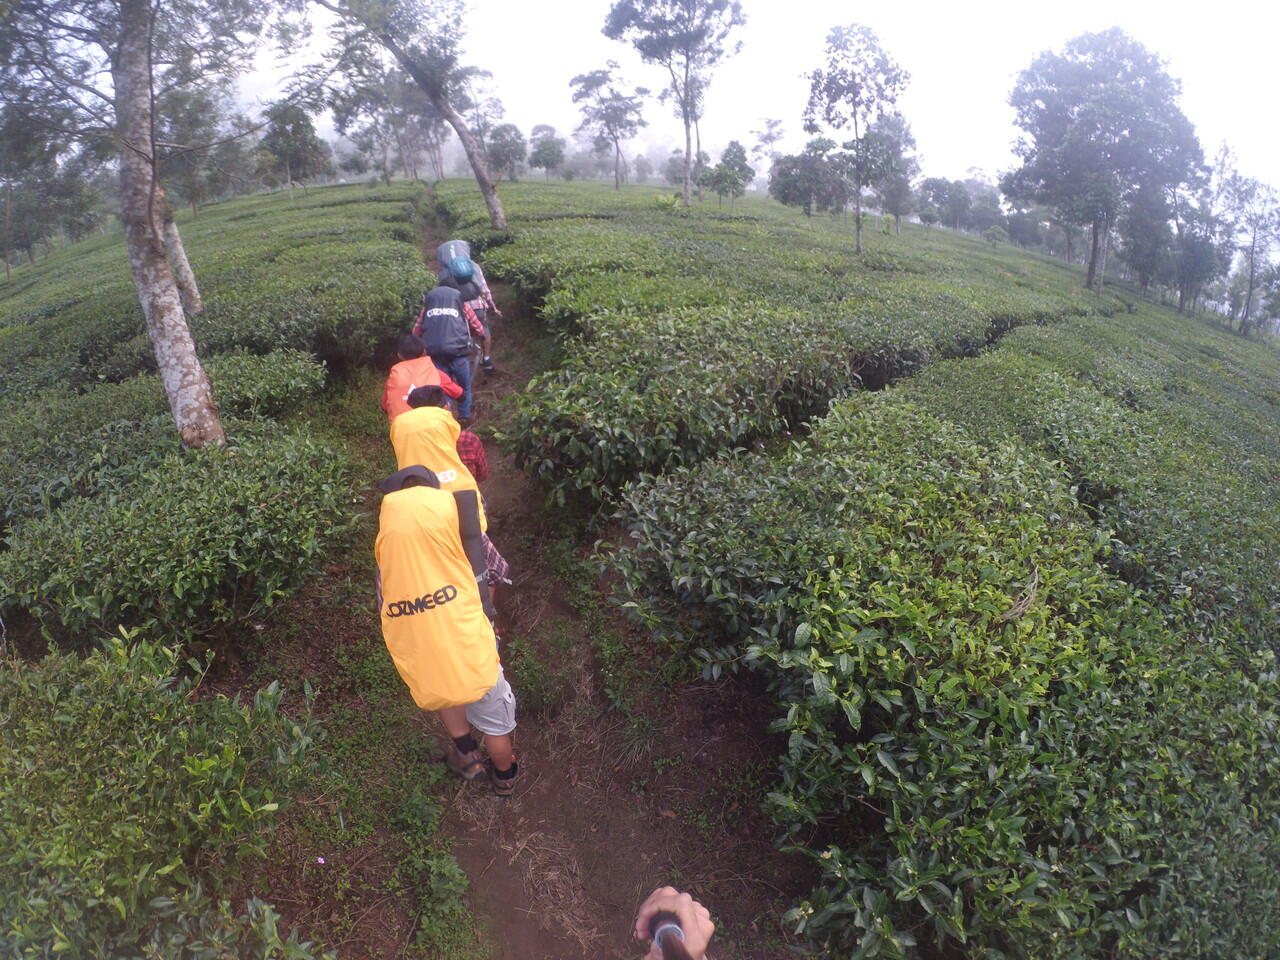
x=437 y=621
x=427 y=434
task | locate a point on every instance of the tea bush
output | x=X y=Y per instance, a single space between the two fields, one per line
x=331 y=273
x=293 y=285
x=690 y=335
x=991 y=741
x=200 y=539
x=272 y=385
x=123 y=792
x=1176 y=457
x=56 y=446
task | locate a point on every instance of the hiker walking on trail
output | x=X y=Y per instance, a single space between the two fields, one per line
x=458 y=270
x=445 y=325
x=437 y=621
x=415 y=369
x=428 y=435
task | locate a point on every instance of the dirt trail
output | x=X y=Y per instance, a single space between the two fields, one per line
x=611 y=803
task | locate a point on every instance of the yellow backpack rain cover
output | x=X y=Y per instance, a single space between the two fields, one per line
x=432 y=619
x=428 y=437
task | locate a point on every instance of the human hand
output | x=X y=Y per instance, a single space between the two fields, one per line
x=695 y=921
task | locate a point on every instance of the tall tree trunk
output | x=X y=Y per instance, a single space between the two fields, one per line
x=185 y=383
x=1106 y=243
x=404 y=154
x=697 y=157
x=617 y=166
x=183 y=276
x=857 y=219
x=8 y=229
x=1095 y=248
x=479 y=164
x=1248 y=297
x=686 y=115
x=688 y=149
x=475 y=152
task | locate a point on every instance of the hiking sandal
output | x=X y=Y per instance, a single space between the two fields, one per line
x=504 y=788
x=469 y=766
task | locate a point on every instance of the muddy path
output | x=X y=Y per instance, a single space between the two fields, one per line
x=626 y=783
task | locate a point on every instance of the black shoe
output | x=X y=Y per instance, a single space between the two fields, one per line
x=487 y=364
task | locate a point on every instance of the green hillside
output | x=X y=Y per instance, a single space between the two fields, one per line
x=135 y=797
x=1019 y=611
x=1004 y=553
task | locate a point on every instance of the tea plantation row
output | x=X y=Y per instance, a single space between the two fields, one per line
x=1170 y=433
x=127 y=799
x=294 y=287
x=992 y=740
x=692 y=335
x=1019 y=612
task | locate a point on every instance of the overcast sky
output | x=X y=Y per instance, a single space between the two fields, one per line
x=963 y=59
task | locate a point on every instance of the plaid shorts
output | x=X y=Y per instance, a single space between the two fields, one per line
x=499 y=569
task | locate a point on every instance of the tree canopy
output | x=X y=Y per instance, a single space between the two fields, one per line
x=687 y=38
x=1101 y=120
x=858 y=84
x=609 y=116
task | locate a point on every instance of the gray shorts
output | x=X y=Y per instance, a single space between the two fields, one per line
x=494 y=713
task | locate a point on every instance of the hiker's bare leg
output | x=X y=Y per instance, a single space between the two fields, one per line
x=455 y=721
x=501 y=750
x=488 y=345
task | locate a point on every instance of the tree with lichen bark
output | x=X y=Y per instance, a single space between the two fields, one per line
x=54 y=55
x=687 y=38
x=859 y=85
x=609 y=116
x=424 y=37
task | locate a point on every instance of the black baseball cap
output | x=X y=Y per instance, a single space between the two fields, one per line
x=398 y=479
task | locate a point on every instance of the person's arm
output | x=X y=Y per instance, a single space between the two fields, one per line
x=484 y=288
x=471 y=452
x=472 y=537
x=450 y=386
x=693 y=919
x=422 y=316
x=477 y=328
